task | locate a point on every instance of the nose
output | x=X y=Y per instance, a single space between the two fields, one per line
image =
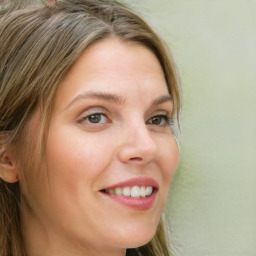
x=137 y=145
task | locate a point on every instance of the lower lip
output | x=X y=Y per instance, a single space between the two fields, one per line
x=142 y=203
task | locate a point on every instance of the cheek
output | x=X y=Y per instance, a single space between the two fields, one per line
x=75 y=156
x=169 y=158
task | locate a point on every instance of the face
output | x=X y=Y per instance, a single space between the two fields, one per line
x=110 y=153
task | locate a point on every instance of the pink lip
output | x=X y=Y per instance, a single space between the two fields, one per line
x=141 y=181
x=143 y=203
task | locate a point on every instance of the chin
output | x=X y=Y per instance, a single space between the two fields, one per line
x=140 y=241
x=136 y=238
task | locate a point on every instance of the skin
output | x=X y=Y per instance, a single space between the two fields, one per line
x=67 y=213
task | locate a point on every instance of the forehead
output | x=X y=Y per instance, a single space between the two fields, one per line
x=115 y=66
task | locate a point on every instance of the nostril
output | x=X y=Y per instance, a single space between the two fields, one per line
x=136 y=158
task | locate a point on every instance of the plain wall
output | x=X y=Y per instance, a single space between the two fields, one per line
x=212 y=202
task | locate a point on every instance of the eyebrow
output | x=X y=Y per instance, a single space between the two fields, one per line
x=114 y=98
x=98 y=95
x=163 y=99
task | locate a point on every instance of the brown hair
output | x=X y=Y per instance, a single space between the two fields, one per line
x=39 y=45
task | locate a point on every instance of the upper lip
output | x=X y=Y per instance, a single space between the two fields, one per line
x=140 y=181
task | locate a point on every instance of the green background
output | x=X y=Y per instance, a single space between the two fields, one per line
x=212 y=201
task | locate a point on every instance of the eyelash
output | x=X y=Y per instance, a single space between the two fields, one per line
x=86 y=118
x=168 y=121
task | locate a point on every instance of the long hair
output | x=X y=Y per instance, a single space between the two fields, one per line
x=39 y=45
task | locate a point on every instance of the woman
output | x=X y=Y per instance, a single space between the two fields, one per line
x=87 y=95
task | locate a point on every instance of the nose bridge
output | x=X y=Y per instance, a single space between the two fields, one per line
x=138 y=144
x=141 y=136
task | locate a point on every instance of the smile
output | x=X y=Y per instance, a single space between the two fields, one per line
x=138 y=193
x=134 y=191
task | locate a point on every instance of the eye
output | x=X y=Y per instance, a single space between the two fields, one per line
x=96 y=118
x=160 y=120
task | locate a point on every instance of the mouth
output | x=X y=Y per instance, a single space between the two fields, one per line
x=134 y=191
x=138 y=193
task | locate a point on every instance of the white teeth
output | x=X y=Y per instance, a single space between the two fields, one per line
x=149 y=191
x=143 y=192
x=118 y=191
x=126 y=191
x=135 y=191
